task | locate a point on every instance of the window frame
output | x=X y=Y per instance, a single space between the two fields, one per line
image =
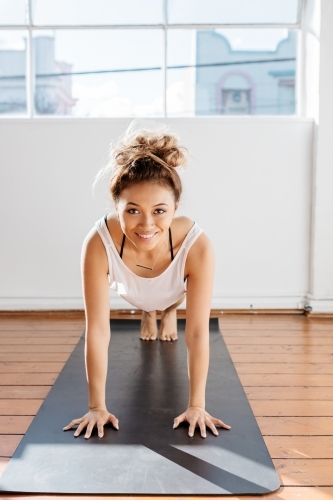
x=30 y=28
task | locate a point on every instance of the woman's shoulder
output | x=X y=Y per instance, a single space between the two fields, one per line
x=202 y=244
x=92 y=242
x=182 y=224
x=93 y=238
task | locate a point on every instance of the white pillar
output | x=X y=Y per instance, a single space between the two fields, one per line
x=319 y=104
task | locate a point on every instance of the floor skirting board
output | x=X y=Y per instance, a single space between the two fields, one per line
x=219 y=301
x=302 y=304
x=78 y=314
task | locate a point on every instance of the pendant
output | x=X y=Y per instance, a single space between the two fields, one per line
x=145 y=267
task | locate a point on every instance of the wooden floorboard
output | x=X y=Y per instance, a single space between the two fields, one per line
x=24 y=392
x=295 y=426
x=30 y=367
x=300 y=446
x=289 y=408
x=317 y=359
x=20 y=406
x=283 y=380
x=33 y=356
x=304 y=472
x=284 y=362
x=36 y=348
x=286 y=393
x=286 y=348
x=281 y=368
x=269 y=334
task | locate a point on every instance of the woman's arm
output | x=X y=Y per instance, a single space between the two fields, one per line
x=94 y=267
x=200 y=276
x=97 y=307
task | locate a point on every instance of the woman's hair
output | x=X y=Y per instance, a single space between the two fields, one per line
x=146 y=154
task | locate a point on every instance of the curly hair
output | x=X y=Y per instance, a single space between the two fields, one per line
x=146 y=155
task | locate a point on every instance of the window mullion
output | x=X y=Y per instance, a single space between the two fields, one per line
x=30 y=63
x=164 y=64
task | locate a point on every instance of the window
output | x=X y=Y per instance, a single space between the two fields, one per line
x=151 y=58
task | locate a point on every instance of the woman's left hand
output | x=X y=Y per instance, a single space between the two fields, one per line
x=198 y=417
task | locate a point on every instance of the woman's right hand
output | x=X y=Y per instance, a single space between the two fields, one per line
x=94 y=418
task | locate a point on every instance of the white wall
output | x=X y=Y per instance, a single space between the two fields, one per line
x=248 y=185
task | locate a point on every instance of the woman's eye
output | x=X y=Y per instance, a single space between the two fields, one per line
x=135 y=211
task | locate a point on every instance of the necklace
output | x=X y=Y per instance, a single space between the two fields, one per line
x=145 y=267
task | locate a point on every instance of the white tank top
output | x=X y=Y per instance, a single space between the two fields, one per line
x=148 y=294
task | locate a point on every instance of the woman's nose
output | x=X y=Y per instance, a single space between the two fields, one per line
x=146 y=220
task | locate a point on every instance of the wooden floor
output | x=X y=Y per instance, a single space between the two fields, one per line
x=285 y=363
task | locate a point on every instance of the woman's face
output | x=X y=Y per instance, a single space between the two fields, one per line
x=145 y=213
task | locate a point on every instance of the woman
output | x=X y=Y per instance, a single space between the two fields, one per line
x=151 y=258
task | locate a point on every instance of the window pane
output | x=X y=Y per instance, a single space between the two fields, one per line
x=98 y=73
x=12 y=12
x=232 y=12
x=96 y=12
x=231 y=72
x=13 y=72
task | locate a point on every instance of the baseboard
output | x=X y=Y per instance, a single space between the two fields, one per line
x=319 y=306
x=79 y=315
x=220 y=301
x=221 y=304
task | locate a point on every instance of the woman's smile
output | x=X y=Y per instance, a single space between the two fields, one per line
x=145 y=236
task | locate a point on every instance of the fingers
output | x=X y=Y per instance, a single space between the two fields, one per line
x=179 y=420
x=73 y=423
x=202 y=427
x=90 y=421
x=220 y=423
x=114 y=421
x=192 y=427
x=200 y=419
x=80 y=428
x=212 y=427
x=90 y=427
x=100 y=429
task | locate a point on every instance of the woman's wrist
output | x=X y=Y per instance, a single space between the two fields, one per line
x=192 y=407
x=98 y=408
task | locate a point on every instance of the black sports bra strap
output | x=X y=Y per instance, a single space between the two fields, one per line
x=122 y=247
x=171 y=246
x=122 y=243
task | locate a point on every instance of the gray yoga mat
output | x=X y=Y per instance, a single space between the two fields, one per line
x=147 y=388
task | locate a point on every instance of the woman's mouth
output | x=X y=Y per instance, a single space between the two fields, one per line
x=145 y=237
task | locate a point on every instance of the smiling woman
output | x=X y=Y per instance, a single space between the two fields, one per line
x=152 y=258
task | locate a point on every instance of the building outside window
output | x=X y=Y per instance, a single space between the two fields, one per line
x=134 y=58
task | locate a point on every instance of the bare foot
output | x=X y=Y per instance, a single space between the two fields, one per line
x=148 y=328
x=168 y=330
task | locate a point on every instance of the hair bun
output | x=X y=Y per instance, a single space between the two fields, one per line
x=145 y=154
x=158 y=145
